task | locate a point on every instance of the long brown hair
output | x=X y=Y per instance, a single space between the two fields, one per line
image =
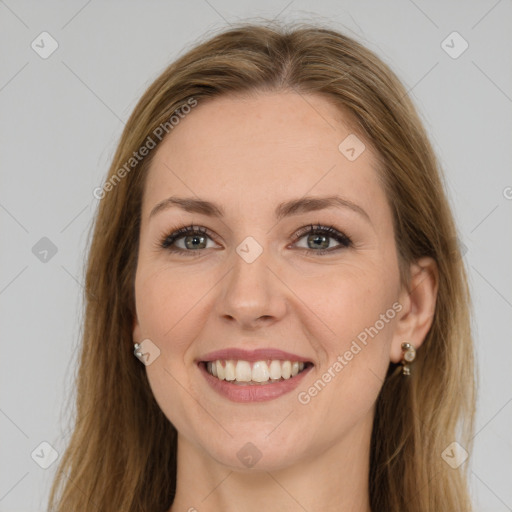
x=122 y=452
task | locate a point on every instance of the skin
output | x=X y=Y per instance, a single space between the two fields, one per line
x=248 y=154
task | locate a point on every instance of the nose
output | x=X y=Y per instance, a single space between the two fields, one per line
x=252 y=294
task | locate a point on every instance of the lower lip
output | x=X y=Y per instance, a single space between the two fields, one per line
x=253 y=392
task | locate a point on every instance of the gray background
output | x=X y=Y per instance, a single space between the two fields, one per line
x=62 y=117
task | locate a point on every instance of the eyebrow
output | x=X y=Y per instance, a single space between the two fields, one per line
x=285 y=209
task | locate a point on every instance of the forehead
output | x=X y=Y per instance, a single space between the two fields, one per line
x=260 y=150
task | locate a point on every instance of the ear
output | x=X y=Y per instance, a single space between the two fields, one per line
x=418 y=299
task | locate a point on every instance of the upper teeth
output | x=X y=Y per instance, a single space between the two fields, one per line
x=259 y=371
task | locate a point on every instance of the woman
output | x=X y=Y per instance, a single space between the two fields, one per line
x=274 y=245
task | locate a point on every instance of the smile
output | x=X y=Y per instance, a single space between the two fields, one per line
x=254 y=373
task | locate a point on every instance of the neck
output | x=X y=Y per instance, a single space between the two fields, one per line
x=334 y=480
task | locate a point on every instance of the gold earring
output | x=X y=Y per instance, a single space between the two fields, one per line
x=408 y=357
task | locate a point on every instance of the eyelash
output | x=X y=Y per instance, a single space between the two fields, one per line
x=345 y=242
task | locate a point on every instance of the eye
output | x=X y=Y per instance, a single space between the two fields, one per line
x=319 y=235
x=196 y=238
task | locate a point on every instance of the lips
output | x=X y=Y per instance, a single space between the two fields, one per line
x=253 y=376
x=260 y=354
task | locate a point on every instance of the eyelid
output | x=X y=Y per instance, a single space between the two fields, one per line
x=179 y=232
x=332 y=231
x=344 y=242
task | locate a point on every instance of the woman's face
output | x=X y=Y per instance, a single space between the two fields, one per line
x=255 y=279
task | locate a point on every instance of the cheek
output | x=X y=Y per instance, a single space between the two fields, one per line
x=169 y=314
x=359 y=309
x=365 y=315
x=349 y=302
x=168 y=302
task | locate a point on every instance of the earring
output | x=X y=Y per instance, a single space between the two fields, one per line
x=408 y=357
x=136 y=350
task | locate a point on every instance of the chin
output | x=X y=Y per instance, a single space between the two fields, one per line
x=259 y=453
